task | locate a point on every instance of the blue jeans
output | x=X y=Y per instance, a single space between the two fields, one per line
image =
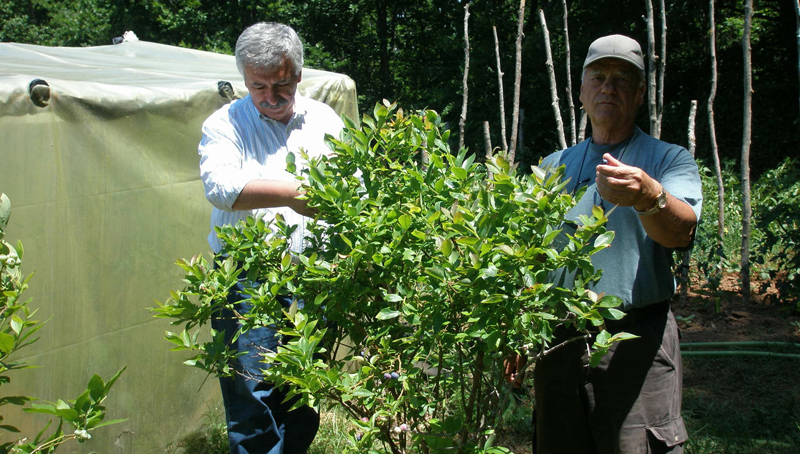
x=259 y=422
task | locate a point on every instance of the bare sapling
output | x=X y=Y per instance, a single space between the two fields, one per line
x=463 y=120
x=500 y=90
x=747 y=210
x=512 y=152
x=552 y=75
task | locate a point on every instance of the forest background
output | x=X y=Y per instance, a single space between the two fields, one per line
x=412 y=52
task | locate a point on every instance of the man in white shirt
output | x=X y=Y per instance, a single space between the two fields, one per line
x=243 y=167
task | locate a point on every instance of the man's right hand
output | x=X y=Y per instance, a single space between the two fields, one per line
x=273 y=194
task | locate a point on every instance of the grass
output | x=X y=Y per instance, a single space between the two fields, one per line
x=739 y=405
x=742 y=405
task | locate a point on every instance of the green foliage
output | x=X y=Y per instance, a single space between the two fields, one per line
x=775 y=236
x=56 y=23
x=17 y=329
x=424 y=272
x=778 y=222
x=713 y=256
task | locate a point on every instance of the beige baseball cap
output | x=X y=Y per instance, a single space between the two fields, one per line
x=615 y=46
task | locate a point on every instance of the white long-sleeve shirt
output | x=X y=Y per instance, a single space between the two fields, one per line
x=239 y=145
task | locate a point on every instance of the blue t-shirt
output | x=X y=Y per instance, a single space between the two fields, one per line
x=635 y=268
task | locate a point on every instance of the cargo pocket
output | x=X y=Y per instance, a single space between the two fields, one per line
x=663 y=438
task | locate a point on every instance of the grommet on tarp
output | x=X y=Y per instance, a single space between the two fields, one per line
x=39 y=92
x=225 y=89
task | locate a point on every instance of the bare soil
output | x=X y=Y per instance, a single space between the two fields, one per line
x=725 y=317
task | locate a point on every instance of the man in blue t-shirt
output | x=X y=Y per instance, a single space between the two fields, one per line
x=631 y=402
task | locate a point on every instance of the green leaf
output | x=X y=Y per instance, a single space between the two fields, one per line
x=17 y=324
x=387 y=314
x=447 y=247
x=609 y=301
x=436 y=271
x=494 y=299
x=604 y=240
x=404 y=221
x=96 y=387
x=6 y=343
x=394 y=298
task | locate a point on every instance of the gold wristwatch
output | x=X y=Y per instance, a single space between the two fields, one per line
x=661 y=202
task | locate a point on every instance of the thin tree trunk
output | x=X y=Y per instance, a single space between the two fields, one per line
x=713 y=131
x=500 y=88
x=512 y=149
x=746 y=137
x=570 y=102
x=691 y=135
x=463 y=120
x=582 y=127
x=662 y=64
x=487 y=142
x=553 y=89
x=651 y=71
x=687 y=255
x=797 y=11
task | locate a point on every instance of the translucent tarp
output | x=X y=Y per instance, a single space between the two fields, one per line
x=106 y=196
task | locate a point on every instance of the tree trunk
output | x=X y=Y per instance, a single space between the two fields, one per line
x=582 y=128
x=553 y=89
x=687 y=255
x=463 y=120
x=713 y=131
x=487 y=142
x=662 y=64
x=500 y=88
x=691 y=139
x=746 y=136
x=512 y=149
x=651 y=71
x=797 y=12
x=570 y=103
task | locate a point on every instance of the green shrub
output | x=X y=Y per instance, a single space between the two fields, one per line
x=428 y=271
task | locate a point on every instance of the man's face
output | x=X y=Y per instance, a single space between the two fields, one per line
x=611 y=93
x=273 y=90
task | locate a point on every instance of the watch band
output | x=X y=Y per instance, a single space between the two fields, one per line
x=661 y=202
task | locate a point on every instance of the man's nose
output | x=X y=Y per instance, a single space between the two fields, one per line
x=271 y=95
x=609 y=85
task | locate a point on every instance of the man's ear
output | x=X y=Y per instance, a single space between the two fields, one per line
x=640 y=94
x=300 y=76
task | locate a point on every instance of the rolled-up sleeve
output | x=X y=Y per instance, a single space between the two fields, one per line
x=221 y=159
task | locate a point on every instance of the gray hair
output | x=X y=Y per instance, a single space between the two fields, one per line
x=264 y=46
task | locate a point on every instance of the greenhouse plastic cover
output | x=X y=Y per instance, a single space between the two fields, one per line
x=104 y=182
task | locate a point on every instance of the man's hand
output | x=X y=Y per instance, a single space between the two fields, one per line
x=617 y=183
x=514 y=369
x=625 y=185
x=301 y=206
x=272 y=194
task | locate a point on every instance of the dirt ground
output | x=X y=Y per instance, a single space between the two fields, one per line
x=726 y=318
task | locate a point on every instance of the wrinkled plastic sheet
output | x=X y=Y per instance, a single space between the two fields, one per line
x=106 y=196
